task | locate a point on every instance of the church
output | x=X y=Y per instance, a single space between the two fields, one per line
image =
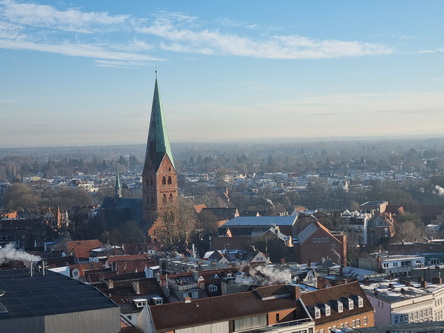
x=157 y=212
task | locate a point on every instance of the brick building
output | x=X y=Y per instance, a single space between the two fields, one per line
x=159 y=177
x=315 y=243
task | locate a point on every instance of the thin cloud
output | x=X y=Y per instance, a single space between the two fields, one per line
x=73 y=20
x=75 y=50
x=44 y=28
x=178 y=39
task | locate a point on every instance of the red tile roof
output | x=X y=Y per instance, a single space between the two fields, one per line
x=82 y=248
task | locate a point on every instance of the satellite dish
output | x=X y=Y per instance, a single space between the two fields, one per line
x=2 y=292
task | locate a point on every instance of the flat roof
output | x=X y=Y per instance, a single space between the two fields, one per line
x=249 y=221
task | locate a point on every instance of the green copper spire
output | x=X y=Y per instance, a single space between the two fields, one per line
x=158 y=142
x=118 y=187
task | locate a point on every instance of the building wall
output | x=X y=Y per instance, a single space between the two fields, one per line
x=222 y=327
x=362 y=320
x=97 y=321
x=319 y=246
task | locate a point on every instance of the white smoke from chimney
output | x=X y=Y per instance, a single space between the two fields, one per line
x=9 y=253
x=266 y=275
x=439 y=190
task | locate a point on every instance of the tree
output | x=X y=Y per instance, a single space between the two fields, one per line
x=21 y=197
x=206 y=227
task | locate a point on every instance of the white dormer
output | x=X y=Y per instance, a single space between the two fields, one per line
x=327 y=309
x=157 y=300
x=140 y=302
x=351 y=305
x=317 y=312
x=340 y=307
x=360 y=302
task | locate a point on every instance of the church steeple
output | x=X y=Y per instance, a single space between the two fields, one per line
x=118 y=187
x=159 y=178
x=158 y=143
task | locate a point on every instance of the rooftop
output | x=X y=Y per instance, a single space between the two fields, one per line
x=43 y=295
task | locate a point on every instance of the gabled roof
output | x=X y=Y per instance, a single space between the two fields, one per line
x=221 y=308
x=324 y=296
x=82 y=248
x=311 y=229
x=158 y=143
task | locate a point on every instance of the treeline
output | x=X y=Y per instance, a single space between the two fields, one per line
x=15 y=167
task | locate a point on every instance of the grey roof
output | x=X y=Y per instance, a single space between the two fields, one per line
x=44 y=295
x=250 y=221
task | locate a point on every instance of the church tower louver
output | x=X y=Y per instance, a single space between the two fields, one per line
x=160 y=187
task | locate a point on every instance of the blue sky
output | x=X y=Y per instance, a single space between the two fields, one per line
x=82 y=72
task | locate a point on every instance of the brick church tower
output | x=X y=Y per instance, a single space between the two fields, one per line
x=160 y=189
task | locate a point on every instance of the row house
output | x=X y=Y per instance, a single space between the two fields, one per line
x=339 y=307
x=276 y=308
x=381 y=229
x=391 y=264
x=409 y=302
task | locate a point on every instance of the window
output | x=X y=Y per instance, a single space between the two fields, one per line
x=169 y=181
x=353 y=323
x=277 y=317
x=212 y=288
x=171 y=198
x=317 y=312
x=395 y=264
x=340 y=307
x=249 y=323
x=385 y=265
x=327 y=310
x=364 y=320
x=358 y=322
x=164 y=199
x=163 y=181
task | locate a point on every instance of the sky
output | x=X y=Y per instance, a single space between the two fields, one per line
x=83 y=72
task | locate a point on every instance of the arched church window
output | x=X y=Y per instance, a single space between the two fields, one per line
x=171 y=198
x=169 y=180
x=163 y=180
x=164 y=199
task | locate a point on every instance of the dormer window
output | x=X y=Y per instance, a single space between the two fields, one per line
x=317 y=312
x=360 y=302
x=340 y=307
x=212 y=288
x=157 y=300
x=327 y=310
x=351 y=305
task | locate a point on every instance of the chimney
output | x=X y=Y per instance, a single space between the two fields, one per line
x=296 y=291
x=187 y=300
x=423 y=284
x=136 y=287
x=437 y=280
x=195 y=275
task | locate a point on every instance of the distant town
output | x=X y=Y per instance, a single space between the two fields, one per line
x=309 y=236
